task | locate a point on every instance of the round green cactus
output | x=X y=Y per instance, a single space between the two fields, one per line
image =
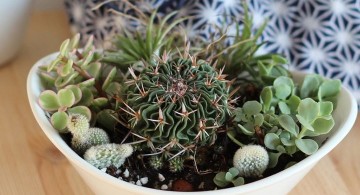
x=102 y=156
x=177 y=103
x=251 y=160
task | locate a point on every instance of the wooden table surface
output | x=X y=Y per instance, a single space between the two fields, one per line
x=30 y=164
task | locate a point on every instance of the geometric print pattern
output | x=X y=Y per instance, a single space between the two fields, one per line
x=318 y=36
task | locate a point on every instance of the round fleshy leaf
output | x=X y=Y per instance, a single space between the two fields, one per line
x=59 y=121
x=87 y=97
x=323 y=126
x=308 y=109
x=94 y=69
x=266 y=97
x=76 y=91
x=288 y=124
x=271 y=141
x=304 y=123
x=282 y=91
x=307 y=146
x=310 y=86
x=252 y=107
x=229 y=177
x=258 y=119
x=328 y=89
x=284 y=108
x=109 y=78
x=100 y=102
x=293 y=103
x=48 y=101
x=81 y=110
x=66 y=97
x=219 y=180
x=273 y=159
x=234 y=171
x=239 y=181
x=326 y=108
x=84 y=62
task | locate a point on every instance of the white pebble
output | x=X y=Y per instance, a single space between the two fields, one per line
x=103 y=170
x=126 y=173
x=120 y=178
x=117 y=172
x=132 y=182
x=144 y=180
x=164 y=187
x=161 y=177
x=138 y=182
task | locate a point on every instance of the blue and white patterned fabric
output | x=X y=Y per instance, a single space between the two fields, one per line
x=321 y=36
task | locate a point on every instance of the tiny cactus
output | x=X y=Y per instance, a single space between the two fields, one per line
x=92 y=137
x=156 y=162
x=102 y=156
x=78 y=124
x=176 y=164
x=251 y=160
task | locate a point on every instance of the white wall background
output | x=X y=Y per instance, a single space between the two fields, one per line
x=47 y=4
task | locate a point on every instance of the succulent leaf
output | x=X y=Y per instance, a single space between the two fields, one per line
x=66 y=97
x=48 y=101
x=308 y=146
x=59 y=121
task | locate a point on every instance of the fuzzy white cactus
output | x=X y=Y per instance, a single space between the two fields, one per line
x=78 y=124
x=102 y=156
x=83 y=136
x=91 y=137
x=251 y=160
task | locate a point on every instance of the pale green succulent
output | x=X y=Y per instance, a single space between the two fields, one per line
x=103 y=156
x=223 y=179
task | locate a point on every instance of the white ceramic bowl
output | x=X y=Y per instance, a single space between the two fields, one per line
x=280 y=183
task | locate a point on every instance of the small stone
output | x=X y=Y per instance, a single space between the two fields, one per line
x=201 y=185
x=103 y=170
x=138 y=182
x=132 y=182
x=120 y=178
x=164 y=187
x=126 y=173
x=181 y=185
x=161 y=177
x=118 y=172
x=144 y=180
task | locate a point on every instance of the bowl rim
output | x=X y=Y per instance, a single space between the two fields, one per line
x=55 y=138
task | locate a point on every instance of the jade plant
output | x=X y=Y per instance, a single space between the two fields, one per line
x=159 y=103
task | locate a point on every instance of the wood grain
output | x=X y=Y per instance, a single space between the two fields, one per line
x=30 y=164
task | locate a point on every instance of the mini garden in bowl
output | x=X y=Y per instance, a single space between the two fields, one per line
x=159 y=113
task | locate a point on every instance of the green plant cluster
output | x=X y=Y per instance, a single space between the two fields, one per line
x=165 y=99
x=76 y=82
x=288 y=118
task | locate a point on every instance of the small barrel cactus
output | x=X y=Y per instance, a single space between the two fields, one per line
x=156 y=162
x=251 y=160
x=176 y=164
x=102 y=156
x=176 y=103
